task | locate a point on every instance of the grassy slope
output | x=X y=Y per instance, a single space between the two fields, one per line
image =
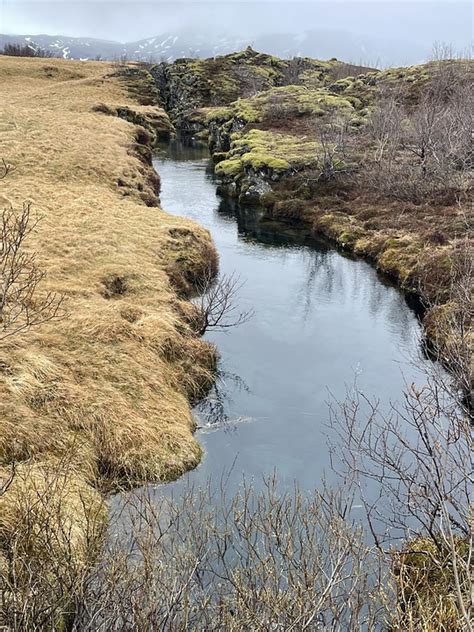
x=109 y=386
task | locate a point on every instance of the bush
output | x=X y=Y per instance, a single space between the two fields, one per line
x=26 y=50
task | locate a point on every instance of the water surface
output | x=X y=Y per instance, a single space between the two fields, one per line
x=320 y=320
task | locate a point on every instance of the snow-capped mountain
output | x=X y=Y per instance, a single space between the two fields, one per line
x=168 y=46
x=368 y=50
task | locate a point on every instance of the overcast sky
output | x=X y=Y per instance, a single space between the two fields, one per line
x=447 y=21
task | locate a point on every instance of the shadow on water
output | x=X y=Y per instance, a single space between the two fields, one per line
x=253 y=226
x=321 y=320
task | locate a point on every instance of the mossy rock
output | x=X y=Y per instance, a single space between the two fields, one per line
x=229 y=168
x=264 y=161
x=214 y=83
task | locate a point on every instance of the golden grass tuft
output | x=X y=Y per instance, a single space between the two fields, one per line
x=101 y=384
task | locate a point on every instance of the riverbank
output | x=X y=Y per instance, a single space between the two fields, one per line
x=99 y=399
x=379 y=162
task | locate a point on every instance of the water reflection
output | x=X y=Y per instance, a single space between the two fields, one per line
x=212 y=411
x=320 y=317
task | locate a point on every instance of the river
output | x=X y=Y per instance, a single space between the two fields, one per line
x=321 y=320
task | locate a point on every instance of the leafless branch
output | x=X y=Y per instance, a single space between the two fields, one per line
x=9 y=480
x=217 y=303
x=21 y=304
x=419 y=456
x=5 y=169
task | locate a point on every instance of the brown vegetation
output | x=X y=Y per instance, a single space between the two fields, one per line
x=101 y=385
x=274 y=557
x=21 y=304
x=26 y=50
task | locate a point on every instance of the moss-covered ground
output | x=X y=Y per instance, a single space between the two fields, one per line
x=189 y=84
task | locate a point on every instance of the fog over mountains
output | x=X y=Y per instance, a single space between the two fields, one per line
x=172 y=45
x=380 y=32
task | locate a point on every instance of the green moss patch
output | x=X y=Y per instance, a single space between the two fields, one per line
x=273 y=151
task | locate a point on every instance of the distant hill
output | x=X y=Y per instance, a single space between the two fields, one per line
x=170 y=46
x=167 y=46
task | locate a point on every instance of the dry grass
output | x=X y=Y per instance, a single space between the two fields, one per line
x=101 y=383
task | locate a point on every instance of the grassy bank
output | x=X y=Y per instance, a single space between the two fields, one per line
x=107 y=388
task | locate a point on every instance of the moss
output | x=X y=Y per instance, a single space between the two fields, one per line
x=188 y=258
x=291 y=100
x=218 y=114
x=355 y=102
x=334 y=226
x=262 y=149
x=191 y=83
x=357 y=121
x=140 y=84
x=369 y=245
x=349 y=236
x=282 y=150
x=341 y=84
x=202 y=136
x=212 y=83
x=259 y=161
x=401 y=260
x=229 y=168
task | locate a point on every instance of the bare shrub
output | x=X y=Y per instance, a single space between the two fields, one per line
x=250 y=83
x=332 y=160
x=449 y=321
x=279 y=108
x=341 y=70
x=21 y=304
x=51 y=530
x=120 y=61
x=217 y=303
x=420 y=456
x=258 y=560
x=274 y=558
x=261 y=560
x=294 y=67
x=423 y=151
x=5 y=169
x=384 y=127
x=6 y=483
